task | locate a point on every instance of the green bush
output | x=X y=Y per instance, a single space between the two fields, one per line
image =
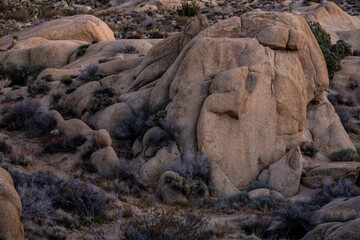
x=82 y=50
x=41 y=87
x=19 y=75
x=99 y=102
x=332 y=53
x=345 y=155
x=188 y=9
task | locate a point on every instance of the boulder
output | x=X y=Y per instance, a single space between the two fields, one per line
x=155 y=166
x=109 y=117
x=326 y=131
x=85 y=28
x=275 y=37
x=104 y=160
x=338 y=210
x=79 y=99
x=260 y=192
x=332 y=231
x=327 y=172
x=102 y=138
x=147 y=8
x=284 y=175
x=9 y=194
x=154 y=139
x=53 y=54
x=174 y=189
x=10 y=225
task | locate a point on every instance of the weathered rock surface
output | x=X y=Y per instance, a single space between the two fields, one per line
x=284 y=175
x=330 y=172
x=104 y=160
x=341 y=209
x=335 y=21
x=260 y=192
x=335 y=230
x=10 y=209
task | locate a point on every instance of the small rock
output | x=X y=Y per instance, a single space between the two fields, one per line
x=261 y=192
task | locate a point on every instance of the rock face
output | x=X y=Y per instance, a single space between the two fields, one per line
x=10 y=209
x=335 y=21
x=243 y=104
x=332 y=231
x=85 y=28
x=330 y=172
x=284 y=175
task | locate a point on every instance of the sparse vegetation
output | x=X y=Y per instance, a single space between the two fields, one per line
x=82 y=50
x=41 y=87
x=188 y=9
x=21 y=75
x=345 y=155
x=67 y=80
x=28 y=116
x=99 y=102
x=256 y=185
x=156 y=223
x=90 y=74
x=332 y=53
x=62 y=144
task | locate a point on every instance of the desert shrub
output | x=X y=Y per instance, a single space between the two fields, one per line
x=266 y=204
x=341 y=49
x=5 y=146
x=42 y=231
x=12 y=98
x=342 y=188
x=82 y=50
x=99 y=102
x=346 y=119
x=353 y=85
x=21 y=75
x=66 y=112
x=345 y=155
x=65 y=219
x=62 y=144
x=293 y=222
x=129 y=49
x=309 y=150
x=356 y=52
x=82 y=198
x=20 y=159
x=67 y=80
x=340 y=99
x=131 y=127
x=194 y=167
x=47 y=78
x=188 y=9
x=43 y=193
x=256 y=185
x=41 y=87
x=332 y=53
x=28 y=116
x=89 y=74
x=56 y=97
x=236 y=202
x=158 y=224
x=104 y=91
x=35 y=201
x=258 y=227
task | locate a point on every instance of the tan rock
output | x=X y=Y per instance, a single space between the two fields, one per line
x=104 y=160
x=10 y=225
x=256 y=193
x=327 y=133
x=80 y=98
x=109 y=117
x=147 y=8
x=102 y=138
x=74 y=127
x=85 y=28
x=284 y=175
x=6 y=177
x=329 y=172
x=342 y=208
x=335 y=230
x=274 y=37
x=166 y=192
x=156 y=166
x=9 y=194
